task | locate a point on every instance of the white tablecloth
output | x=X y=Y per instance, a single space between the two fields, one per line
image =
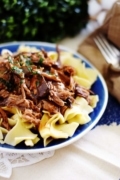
x=96 y=156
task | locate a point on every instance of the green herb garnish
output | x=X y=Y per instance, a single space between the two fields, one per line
x=10 y=59
x=16 y=70
x=40 y=61
x=37 y=83
x=28 y=62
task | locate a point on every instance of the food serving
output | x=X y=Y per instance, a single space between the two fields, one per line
x=43 y=95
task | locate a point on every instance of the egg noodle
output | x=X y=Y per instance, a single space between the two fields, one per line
x=43 y=95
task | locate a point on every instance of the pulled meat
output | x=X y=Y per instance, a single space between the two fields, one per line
x=49 y=106
x=34 y=83
x=4 y=119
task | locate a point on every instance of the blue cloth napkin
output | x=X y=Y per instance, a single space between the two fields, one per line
x=112 y=112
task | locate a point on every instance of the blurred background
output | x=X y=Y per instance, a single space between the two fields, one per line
x=50 y=21
x=97 y=10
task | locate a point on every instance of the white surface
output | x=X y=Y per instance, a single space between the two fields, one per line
x=95 y=157
x=74 y=42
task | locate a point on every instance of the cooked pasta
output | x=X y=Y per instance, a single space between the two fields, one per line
x=55 y=127
x=47 y=93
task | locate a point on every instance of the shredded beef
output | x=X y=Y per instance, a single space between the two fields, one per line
x=34 y=83
x=4 y=120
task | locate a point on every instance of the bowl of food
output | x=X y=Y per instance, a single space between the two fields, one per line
x=50 y=97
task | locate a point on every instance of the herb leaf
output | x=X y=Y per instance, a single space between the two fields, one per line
x=40 y=61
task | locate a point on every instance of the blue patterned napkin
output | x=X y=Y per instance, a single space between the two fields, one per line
x=112 y=112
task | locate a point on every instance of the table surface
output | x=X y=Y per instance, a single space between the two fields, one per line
x=77 y=161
